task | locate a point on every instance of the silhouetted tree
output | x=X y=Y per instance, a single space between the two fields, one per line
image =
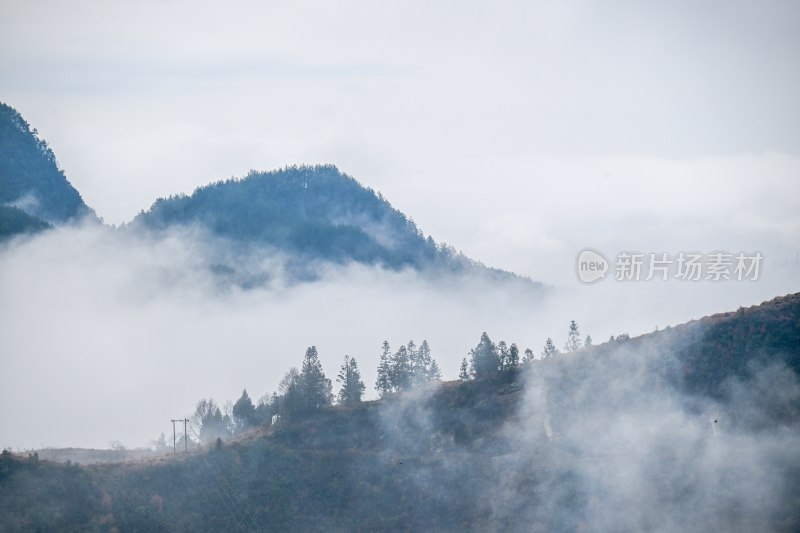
x=549 y=349
x=502 y=353
x=350 y=378
x=289 y=402
x=383 y=384
x=434 y=374
x=315 y=388
x=208 y=422
x=243 y=413
x=588 y=342
x=513 y=356
x=424 y=366
x=485 y=360
x=573 y=338
x=464 y=373
x=401 y=370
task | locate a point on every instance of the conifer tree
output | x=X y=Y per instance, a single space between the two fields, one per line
x=549 y=349
x=464 y=373
x=485 y=360
x=401 y=370
x=573 y=338
x=502 y=353
x=315 y=388
x=383 y=384
x=243 y=413
x=528 y=355
x=513 y=357
x=350 y=379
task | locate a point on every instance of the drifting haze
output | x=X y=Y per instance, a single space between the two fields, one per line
x=107 y=334
x=603 y=442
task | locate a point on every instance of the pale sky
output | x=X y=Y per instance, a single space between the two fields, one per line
x=484 y=121
x=518 y=132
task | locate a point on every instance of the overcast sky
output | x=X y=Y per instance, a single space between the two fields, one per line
x=518 y=132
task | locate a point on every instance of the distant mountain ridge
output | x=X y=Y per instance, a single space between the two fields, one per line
x=310 y=215
x=31 y=181
x=313 y=213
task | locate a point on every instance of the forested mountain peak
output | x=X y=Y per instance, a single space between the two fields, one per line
x=30 y=178
x=313 y=212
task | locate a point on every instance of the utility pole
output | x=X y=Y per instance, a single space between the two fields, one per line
x=174 y=437
x=185 y=435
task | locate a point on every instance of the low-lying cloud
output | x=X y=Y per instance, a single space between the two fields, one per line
x=108 y=334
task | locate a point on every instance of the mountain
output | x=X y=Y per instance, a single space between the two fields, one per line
x=312 y=214
x=30 y=179
x=309 y=215
x=692 y=428
x=15 y=221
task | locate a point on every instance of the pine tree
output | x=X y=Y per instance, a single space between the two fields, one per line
x=290 y=400
x=350 y=378
x=573 y=338
x=485 y=360
x=315 y=388
x=420 y=372
x=243 y=413
x=413 y=355
x=464 y=373
x=513 y=357
x=401 y=370
x=549 y=349
x=528 y=355
x=383 y=384
x=502 y=353
x=426 y=368
x=434 y=374
x=588 y=342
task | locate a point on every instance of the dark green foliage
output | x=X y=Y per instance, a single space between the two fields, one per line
x=306 y=391
x=29 y=174
x=383 y=383
x=463 y=372
x=315 y=388
x=350 y=379
x=314 y=211
x=313 y=214
x=485 y=358
x=509 y=356
x=14 y=221
x=407 y=368
x=243 y=413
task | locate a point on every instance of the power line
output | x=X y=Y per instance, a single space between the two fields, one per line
x=185 y=435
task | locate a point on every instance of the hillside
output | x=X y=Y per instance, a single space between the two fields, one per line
x=693 y=428
x=29 y=175
x=310 y=214
x=15 y=221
